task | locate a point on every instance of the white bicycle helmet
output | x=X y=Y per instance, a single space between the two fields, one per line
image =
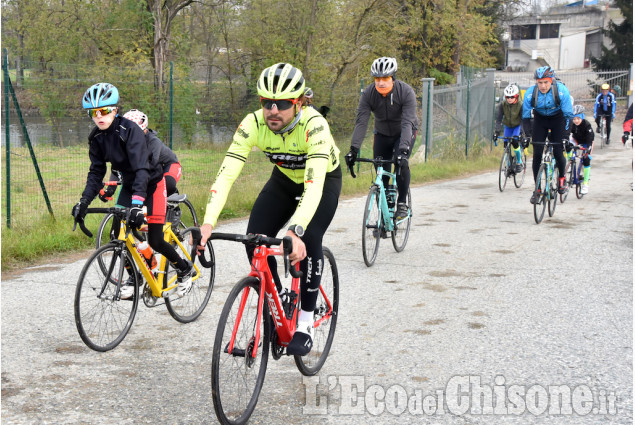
x=137 y=117
x=383 y=67
x=511 y=90
x=281 y=81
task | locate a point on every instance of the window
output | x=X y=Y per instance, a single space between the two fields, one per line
x=549 y=30
x=524 y=32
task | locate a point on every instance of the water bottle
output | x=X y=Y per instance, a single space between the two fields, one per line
x=147 y=253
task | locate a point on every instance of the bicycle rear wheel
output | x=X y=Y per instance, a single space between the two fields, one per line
x=519 y=178
x=325 y=314
x=187 y=216
x=401 y=229
x=371 y=227
x=237 y=377
x=503 y=172
x=189 y=307
x=553 y=193
x=102 y=319
x=541 y=186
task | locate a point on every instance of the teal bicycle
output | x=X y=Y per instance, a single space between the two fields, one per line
x=380 y=210
x=546 y=183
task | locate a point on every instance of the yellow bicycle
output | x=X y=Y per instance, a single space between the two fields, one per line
x=103 y=319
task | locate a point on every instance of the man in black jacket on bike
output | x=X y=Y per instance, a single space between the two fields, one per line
x=394 y=105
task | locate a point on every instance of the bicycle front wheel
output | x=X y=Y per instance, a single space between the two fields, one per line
x=519 y=178
x=102 y=318
x=503 y=172
x=401 y=228
x=569 y=171
x=325 y=318
x=542 y=188
x=553 y=193
x=372 y=226
x=104 y=231
x=237 y=376
x=189 y=307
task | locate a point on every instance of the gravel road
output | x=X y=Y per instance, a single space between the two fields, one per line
x=484 y=318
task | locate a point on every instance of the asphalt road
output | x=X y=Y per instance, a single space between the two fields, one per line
x=485 y=318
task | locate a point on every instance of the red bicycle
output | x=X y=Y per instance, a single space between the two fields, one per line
x=249 y=327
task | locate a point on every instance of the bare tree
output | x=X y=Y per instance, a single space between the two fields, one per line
x=163 y=14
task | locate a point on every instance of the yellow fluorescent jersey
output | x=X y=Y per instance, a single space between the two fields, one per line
x=304 y=155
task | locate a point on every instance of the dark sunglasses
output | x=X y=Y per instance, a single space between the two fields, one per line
x=281 y=104
x=103 y=111
x=510 y=97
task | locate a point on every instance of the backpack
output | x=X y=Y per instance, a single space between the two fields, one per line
x=556 y=95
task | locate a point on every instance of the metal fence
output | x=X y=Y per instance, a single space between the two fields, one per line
x=584 y=86
x=457 y=120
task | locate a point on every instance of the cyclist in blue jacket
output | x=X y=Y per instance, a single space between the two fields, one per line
x=604 y=107
x=553 y=110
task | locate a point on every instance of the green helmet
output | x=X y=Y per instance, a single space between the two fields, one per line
x=281 y=81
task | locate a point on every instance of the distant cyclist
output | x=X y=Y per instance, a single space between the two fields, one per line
x=159 y=154
x=308 y=95
x=510 y=114
x=394 y=106
x=582 y=134
x=121 y=142
x=551 y=103
x=604 y=107
x=303 y=189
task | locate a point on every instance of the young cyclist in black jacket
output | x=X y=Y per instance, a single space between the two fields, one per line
x=122 y=143
x=582 y=133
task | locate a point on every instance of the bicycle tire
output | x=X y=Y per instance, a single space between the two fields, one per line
x=519 y=178
x=311 y=364
x=603 y=137
x=189 y=307
x=233 y=373
x=541 y=184
x=401 y=231
x=553 y=192
x=568 y=180
x=103 y=321
x=578 y=186
x=188 y=216
x=503 y=171
x=103 y=235
x=371 y=226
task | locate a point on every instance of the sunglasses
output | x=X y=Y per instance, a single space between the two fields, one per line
x=510 y=97
x=103 y=111
x=281 y=104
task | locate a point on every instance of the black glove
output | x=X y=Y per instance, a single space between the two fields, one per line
x=401 y=158
x=625 y=136
x=526 y=142
x=136 y=217
x=351 y=156
x=496 y=134
x=105 y=195
x=79 y=210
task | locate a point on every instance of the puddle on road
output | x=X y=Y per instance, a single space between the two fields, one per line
x=419 y=331
x=445 y=273
x=434 y=322
x=474 y=325
x=503 y=251
x=466 y=287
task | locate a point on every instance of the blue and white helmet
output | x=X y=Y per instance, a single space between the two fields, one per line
x=100 y=95
x=578 y=111
x=544 y=72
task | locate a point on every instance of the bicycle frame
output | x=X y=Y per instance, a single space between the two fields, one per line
x=155 y=283
x=285 y=327
x=550 y=161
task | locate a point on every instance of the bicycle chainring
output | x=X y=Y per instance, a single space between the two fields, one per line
x=148 y=299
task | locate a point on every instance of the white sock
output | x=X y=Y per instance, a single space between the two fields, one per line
x=305 y=317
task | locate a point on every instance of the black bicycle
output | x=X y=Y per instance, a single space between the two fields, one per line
x=508 y=163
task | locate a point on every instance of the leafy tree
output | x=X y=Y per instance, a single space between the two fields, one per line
x=620 y=56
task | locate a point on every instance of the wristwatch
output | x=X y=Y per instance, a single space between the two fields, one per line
x=297 y=229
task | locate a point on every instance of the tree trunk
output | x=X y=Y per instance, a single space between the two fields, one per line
x=305 y=68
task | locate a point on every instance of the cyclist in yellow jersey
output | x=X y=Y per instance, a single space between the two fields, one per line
x=304 y=186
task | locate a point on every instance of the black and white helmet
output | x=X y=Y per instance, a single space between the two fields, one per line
x=511 y=90
x=383 y=67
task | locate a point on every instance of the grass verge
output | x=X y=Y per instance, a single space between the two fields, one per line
x=44 y=238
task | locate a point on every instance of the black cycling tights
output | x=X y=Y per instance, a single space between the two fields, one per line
x=608 y=124
x=542 y=125
x=384 y=148
x=274 y=207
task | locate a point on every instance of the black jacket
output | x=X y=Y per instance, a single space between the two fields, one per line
x=394 y=114
x=583 y=133
x=123 y=144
